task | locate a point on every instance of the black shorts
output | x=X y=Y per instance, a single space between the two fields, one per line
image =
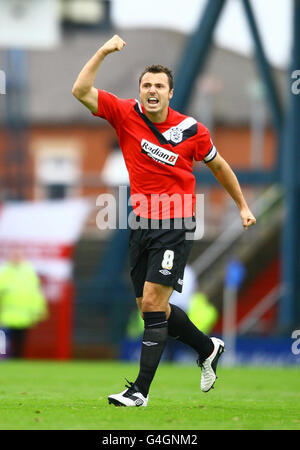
x=160 y=255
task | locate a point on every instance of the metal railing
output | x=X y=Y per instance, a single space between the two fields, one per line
x=231 y=329
x=260 y=309
x=234 y=232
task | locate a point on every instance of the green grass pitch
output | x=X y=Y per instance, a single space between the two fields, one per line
x=45 y=395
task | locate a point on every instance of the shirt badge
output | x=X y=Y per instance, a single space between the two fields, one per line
x=176 y=135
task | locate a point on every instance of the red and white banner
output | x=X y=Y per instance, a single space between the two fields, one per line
x=46 y=232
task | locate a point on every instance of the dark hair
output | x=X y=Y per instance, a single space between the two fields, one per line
x=157 y=68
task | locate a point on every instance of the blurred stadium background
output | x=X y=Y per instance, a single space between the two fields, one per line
x=233 y=62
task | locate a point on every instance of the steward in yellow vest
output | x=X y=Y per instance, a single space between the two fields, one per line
x=22 y=303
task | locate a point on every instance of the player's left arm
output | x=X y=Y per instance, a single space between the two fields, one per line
x=227 y=178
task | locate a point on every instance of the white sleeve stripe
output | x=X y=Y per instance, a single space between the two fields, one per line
x=210 y=155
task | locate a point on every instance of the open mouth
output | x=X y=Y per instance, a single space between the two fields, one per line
x=152 y=101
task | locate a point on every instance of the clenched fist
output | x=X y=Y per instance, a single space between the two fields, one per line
x=115 y=44
x=247 y=218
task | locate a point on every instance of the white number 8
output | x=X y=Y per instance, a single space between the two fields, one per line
x=167 y=262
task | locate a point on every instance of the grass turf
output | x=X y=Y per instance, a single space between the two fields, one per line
x=45 y=395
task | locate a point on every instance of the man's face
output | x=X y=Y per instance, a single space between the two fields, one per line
x=155 y=95
x=16 y=257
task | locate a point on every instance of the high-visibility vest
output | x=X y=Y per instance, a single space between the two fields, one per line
x=135 y=326
x=200 y=311
x=22 y=303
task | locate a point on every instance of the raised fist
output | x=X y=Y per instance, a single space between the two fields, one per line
x=115 y=44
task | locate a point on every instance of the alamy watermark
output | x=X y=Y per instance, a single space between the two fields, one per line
x=114 y=212
x=2 y=82
x=296 y=344
x=2 y=343
x=296 y=84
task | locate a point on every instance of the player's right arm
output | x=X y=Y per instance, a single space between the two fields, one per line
x=83 y=88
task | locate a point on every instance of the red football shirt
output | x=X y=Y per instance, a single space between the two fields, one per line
x=158 y=156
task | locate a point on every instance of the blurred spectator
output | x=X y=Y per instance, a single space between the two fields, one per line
x=189 y=287
x=22 y=303
x=202 y=313
x=198 y=308
x=196 y=305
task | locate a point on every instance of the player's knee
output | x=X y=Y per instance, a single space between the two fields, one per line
x=152 y=300
x=150 y=305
